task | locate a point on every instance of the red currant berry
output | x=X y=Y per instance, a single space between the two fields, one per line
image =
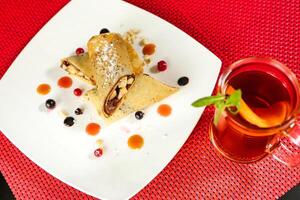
x=77 y=92
x=79 y=50
x=98 y=152
x=161 y=66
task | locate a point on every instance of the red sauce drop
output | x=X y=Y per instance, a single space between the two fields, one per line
x=135 y=142
x=92 y=128
x=65 y=82
x=149 y=49
x=164 y=110
x=43 y=89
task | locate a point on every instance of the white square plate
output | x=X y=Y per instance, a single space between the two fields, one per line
x=66 y=153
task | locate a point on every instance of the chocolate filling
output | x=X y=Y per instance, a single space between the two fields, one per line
x=118 y=92
x=66 y=63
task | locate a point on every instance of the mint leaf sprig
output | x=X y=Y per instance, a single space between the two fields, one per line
x=221 y=102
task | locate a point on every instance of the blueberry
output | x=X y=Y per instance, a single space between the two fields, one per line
x=78 y=111
x=183 y=81
x=139 y=115
x=69 y=121
x=50 y=104
x=104 y=30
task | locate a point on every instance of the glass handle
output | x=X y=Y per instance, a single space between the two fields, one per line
x=285 y=148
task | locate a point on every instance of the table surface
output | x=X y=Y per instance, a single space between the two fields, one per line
x=232 y=30
x=6 y=194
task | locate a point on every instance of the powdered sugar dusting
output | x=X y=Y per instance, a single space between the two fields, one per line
x=107 y=62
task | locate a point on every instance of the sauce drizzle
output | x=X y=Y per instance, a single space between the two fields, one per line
x=43 y=89
x=164 y=110
x=135 y=142
x=92 y=128
x=65 y=82
x=149 y=49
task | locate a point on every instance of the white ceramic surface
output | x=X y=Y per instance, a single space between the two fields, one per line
x=67 y=153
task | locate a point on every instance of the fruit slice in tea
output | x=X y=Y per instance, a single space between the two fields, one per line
x=270 y=116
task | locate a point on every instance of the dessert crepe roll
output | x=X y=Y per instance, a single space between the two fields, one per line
x=145 y=92
x=113 y=69
x=79 y=66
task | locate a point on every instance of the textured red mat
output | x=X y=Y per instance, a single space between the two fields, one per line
x=232 y=30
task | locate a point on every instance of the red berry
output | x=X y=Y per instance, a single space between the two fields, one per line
x=77 y=92
x=79 y=50
x=98 y=152
x=161 y=66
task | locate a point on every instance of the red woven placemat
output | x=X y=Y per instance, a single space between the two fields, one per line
x=231 y=30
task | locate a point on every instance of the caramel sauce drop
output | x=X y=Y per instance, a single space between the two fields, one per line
x=43 y=89
x=92 y=128
x=65 y=82
x=164 y=110
x=149 y=49
x=135 y=142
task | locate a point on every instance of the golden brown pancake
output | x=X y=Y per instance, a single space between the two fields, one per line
x=116 y=70
x=145 y=92
x=79 y=66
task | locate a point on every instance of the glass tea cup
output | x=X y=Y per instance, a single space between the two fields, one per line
x=272 y=92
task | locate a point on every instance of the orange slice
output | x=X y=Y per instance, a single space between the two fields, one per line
x=275 y=114
x=262 y=117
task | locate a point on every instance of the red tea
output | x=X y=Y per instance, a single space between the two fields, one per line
x=264 y=89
